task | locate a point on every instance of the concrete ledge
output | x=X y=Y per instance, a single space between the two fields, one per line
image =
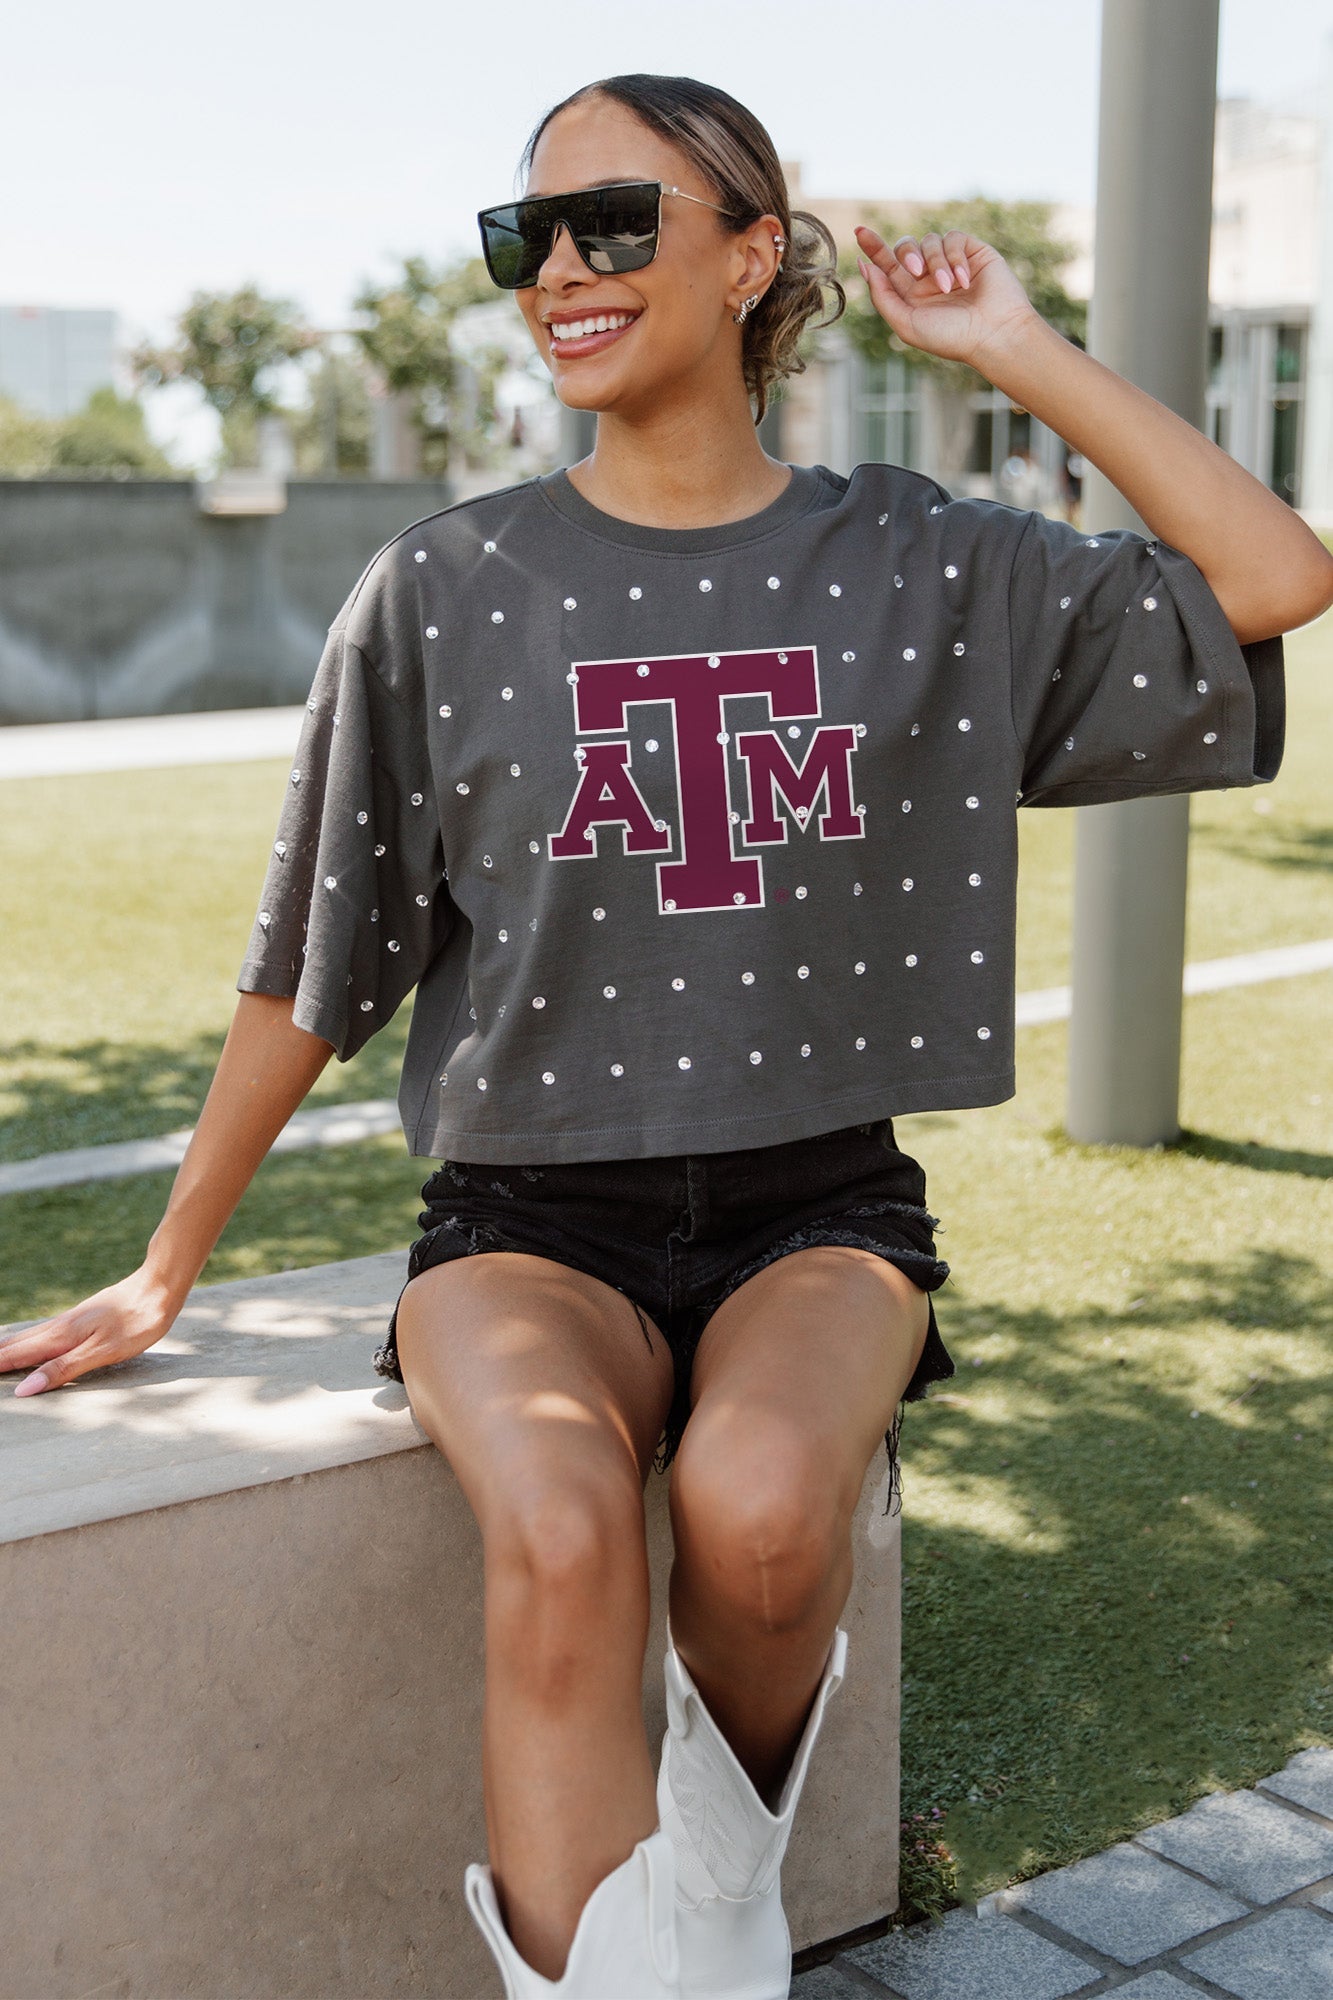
x=242 y=1660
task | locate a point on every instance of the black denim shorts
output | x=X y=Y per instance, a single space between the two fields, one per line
x=677 y=1234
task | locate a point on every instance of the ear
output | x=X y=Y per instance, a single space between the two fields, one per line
x=759 y=249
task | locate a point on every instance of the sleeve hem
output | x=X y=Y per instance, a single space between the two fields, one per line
x=313 y=1015
x=1252 y=673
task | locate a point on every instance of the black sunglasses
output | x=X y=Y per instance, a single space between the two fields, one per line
x=614 y=229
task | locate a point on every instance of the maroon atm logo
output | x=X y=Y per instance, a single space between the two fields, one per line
x=708 y=875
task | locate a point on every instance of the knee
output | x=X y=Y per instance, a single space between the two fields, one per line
x=761 y=1526
x=563 y=1555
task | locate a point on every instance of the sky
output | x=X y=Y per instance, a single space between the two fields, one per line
x=152 y=151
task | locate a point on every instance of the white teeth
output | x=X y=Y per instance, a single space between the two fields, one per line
x=578 y=329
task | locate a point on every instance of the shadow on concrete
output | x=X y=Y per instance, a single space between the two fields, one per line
x=1116 y=1578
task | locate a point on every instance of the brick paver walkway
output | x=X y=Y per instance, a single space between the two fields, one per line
x=1234 y=1899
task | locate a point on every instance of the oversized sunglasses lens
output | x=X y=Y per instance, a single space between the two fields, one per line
x=615 y=229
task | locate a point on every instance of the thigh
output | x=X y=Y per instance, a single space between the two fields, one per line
x=519 y=1366
x=805 y=1363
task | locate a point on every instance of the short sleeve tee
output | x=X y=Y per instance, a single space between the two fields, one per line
x=699 y=839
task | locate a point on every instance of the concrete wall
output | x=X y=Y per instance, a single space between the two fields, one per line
x=242 y=1656
x=120 y=597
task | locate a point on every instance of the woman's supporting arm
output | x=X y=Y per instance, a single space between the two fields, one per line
x=266 y=1069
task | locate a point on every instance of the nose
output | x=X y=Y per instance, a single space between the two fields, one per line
x=562 y=261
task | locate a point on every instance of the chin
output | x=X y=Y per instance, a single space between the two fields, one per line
x=585 y=394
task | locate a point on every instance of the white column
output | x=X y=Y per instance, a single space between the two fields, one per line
x=1148 y=320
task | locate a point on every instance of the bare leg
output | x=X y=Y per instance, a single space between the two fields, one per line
x=536 y=1383
x=796 y=1379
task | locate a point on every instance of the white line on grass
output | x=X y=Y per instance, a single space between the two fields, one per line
x=339 y=1124
x=1206 y=975
x=325 y=1125
x=143 y=742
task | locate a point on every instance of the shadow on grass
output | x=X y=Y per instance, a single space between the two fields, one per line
x=98 y=1092
x=1121 y=1601
x=1252 y=1153
x=59 y=1245
x=1270 y=844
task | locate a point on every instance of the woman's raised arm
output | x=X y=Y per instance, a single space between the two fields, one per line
x=267 y=1067
x=956 y=297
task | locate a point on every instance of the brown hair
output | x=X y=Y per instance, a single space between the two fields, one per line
x=735 y=155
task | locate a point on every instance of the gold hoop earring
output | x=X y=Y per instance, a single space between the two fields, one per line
x=747 y=306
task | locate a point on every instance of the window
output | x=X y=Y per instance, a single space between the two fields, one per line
x=1288 y=388
x=887 y=411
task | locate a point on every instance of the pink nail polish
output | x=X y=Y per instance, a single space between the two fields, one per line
x=961 y=276
x=914 y=264
x=33 y=1384
x=945 y=281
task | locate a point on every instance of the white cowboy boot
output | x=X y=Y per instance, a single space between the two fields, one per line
x=731 y=1928
x=624 y=1947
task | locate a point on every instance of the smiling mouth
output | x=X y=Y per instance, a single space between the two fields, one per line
x=590 y=335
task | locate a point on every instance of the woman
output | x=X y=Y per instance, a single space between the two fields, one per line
x=682 y=782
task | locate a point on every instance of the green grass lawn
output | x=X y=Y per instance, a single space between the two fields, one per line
x=1118 y=1516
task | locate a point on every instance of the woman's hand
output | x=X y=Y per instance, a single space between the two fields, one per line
x=113 y=1325
x=953 y=296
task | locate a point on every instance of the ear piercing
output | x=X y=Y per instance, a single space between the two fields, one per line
x=748 y=305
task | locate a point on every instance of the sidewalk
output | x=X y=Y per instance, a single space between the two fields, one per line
x=146 y=742
x=1234 y=1899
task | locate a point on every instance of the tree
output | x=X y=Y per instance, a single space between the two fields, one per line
x=235 y=345
x=410 y=339
x=1019 y=230
x=332 y=434
x=107 y=435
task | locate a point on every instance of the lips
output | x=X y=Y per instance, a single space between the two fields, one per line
x=592 y=342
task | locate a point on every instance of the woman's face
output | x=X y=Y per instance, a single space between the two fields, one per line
x=680 y=330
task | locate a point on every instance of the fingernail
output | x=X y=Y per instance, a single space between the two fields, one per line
x=861 y=267
x=962 y=275
x=946 y=282
x=914 y=263
x=32 y=1384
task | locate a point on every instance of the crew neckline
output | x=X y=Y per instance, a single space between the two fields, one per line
x=796 y=498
